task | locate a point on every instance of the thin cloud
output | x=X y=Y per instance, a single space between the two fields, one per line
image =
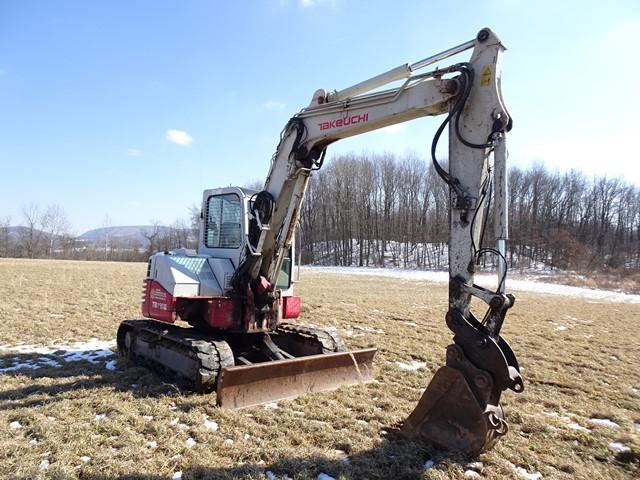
x=273 y=105
x=179 y=137
x=134 y=152
x=317 y=3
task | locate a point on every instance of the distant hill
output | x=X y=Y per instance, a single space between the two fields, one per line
x=18 y=231
x=129 y=232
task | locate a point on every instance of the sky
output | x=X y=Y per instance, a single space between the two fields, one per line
x=122 y=112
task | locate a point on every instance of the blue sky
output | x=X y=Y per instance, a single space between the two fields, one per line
x=131 y=108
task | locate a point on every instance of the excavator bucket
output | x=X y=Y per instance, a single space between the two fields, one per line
x=449 y=416
x=248 y=385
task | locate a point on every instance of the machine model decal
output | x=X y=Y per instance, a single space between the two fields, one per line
x=345 y=121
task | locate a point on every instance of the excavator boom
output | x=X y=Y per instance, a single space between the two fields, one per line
x=460 y=408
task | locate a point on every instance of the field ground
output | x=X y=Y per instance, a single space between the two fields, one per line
x=79 y=416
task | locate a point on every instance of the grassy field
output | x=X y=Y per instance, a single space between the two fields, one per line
x=85 y=419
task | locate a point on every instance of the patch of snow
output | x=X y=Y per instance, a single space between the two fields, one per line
x=299 y=414
x=182 y=426
x=522 y=472
x=477 y=466
x=177 y=476
x=92 y=351
x=270 y=475
x=210 y=425
x=147 y=418
x=561 y=328
x=577 y=426
x=33 y=441
x=428 y=464
x=85 y=459
x=487 y=280
x=411 y=366
x=261 y=462
x=152 y=444
x=111 y=365
x=472 y=474
x=246 y=437
x=637 y=425
x=271 y=406
x=368 y=329
x=613 y=357
x=44 y=464
x=45 y=454
x=604 y=422
x=362 y=422
x=101 y=416
x=324 y=476
x=15 y=425
x=190 y=442
x=228 y=441
x=51 y=419
x=619 y=447
x=174 y=421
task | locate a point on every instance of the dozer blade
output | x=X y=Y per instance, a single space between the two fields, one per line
x=449 y=416
x=245 y=386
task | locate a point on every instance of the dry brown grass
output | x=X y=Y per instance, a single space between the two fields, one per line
x=569 y=371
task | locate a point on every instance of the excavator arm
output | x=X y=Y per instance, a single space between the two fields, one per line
x=460 y=408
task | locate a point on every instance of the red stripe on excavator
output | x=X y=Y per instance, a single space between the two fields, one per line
x=291 y=306
x=158 y=303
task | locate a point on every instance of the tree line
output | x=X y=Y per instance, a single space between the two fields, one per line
x=46 y=233
x=384 y=210
x=388 y=210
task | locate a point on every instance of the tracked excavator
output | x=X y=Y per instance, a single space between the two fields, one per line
x=236 y=291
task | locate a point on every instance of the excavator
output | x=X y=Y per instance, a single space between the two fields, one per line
x=236 y=290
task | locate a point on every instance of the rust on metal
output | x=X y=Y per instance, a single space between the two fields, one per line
x=448 y=415
x=249 y=385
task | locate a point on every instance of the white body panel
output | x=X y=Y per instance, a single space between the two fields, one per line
x=185 y=275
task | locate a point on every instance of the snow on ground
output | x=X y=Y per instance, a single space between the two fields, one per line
x=523 y=284
x=56 y=355
x=523 y=473
x=414 y=365
x=619 y=447
x=324 y=476
x=604 y=422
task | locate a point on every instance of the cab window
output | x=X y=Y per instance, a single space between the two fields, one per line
x=284 y=275
x=223 y=221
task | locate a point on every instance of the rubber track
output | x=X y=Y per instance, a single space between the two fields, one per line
x=331 y=342
x=211 y=354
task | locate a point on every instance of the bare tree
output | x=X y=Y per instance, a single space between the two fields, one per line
x=31 y=235
x=5 y=239
x=54 y=224
x=153 y=237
